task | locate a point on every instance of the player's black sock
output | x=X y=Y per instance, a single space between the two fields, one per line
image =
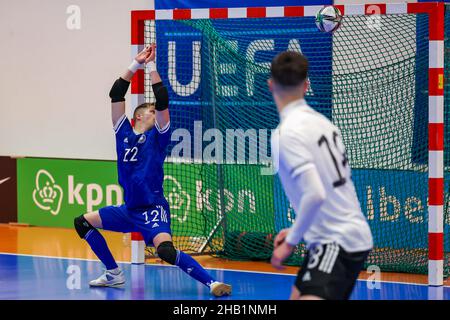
x=100 y=248
x=186 y=263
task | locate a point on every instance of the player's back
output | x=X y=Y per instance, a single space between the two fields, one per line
x=318 y=142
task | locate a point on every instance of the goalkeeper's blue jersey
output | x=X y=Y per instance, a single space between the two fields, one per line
x=140 y=159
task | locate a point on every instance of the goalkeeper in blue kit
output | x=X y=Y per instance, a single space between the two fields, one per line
x=141 y=151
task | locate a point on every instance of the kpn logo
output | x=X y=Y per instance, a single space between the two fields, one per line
x=179 y=200
x=47 y=195
x=72 y=194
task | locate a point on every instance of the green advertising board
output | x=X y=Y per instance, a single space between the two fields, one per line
x=52 y=192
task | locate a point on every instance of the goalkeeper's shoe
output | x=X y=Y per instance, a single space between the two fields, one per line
x=220 y=289
x=109 y=279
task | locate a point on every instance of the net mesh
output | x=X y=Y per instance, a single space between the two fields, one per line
x=370 y=78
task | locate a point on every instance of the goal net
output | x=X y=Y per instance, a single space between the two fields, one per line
x=370 y=78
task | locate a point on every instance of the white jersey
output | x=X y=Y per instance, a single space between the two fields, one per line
x=307 y=139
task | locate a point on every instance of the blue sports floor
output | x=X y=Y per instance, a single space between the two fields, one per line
x=33 y=277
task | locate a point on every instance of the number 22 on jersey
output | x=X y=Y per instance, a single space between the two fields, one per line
x=130 y=154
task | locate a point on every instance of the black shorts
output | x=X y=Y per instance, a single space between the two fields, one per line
x=330 y=272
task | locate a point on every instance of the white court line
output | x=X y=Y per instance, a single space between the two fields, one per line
x=127 y=262
x=217 y=269
x=53 y=257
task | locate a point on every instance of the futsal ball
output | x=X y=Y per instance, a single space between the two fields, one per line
x=328 y=19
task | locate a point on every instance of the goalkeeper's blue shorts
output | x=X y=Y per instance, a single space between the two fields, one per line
x=149 y=221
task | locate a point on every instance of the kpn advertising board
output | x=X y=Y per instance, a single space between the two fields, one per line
x=52 y=192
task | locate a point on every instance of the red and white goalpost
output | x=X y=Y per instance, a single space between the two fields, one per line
x=434 y=10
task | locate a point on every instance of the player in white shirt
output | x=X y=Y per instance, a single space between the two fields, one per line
x=314 y=171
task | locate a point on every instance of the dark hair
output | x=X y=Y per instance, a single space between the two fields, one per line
x=142 y=106
x=289 y=68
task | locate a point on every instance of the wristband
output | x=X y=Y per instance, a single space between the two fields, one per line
x=134 y=66
x=151 y=66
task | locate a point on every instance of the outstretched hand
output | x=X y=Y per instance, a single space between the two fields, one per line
x=152 y=55
x=146 y=55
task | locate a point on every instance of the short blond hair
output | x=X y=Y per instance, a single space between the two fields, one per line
x=145 y=105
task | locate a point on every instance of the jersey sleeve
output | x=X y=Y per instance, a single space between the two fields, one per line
x=311 y=193
x=295 y=153
x=122 y=127
x=163 y=135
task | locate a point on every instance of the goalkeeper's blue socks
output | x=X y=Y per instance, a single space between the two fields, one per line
x=186 y=263
x=100 y=248
x=183 y=260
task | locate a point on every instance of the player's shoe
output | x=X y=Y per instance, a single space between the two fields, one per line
x=109 y=279
x=220 y=289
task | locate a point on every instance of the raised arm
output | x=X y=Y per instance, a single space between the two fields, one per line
x=121 y=85
x=307 y=183
x=160 y=91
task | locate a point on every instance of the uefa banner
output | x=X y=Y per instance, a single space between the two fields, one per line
x=53 y=192
x=216 y=70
